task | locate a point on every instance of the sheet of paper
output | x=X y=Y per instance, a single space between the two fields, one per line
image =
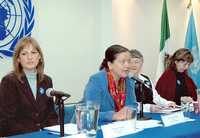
x=170 y=110
x=68 y=128
x=148 y=124
x=119 y=128
x=174 y=118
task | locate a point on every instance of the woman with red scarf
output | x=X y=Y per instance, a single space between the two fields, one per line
x=175 y=84
x=111 y=88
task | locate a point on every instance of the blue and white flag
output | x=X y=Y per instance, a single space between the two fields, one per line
x=191 y=43
x=16 y=21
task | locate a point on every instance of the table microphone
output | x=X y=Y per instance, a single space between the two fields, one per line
x=137 y=79
x=140 y=81
x=50 y=92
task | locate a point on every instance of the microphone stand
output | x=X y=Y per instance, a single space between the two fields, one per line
x=141 y=84
x=141 y=116
x=60 y=103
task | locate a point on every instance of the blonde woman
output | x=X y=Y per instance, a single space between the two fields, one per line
x=24 y=106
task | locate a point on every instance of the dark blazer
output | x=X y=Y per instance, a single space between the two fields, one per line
x=97 y=91
x=20 y=112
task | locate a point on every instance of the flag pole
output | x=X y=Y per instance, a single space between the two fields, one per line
x=189 y=4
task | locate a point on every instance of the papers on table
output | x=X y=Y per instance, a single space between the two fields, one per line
x=174 y=118
x=122 y=128
x=68 y=128
x=170 y=110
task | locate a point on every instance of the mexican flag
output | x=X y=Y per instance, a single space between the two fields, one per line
x=165 y=35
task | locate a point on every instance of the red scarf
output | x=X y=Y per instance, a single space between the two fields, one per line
x=117 y=92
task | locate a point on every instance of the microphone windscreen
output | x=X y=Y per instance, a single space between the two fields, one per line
x=48 y=92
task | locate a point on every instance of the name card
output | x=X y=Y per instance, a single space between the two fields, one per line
x=174 y=118
x=119 y=128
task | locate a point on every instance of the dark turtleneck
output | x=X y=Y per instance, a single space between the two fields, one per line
x=181 y=88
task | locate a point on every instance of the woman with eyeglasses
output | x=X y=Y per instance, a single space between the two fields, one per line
x=175 y=84
x=153 y=102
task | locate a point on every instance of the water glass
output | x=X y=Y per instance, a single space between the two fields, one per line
x=196 y=107
x=133 y=117
x=197 y=103
x=185 y=106
x=87 y=118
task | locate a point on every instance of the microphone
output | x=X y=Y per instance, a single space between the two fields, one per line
x=140 y=81
x=137 y=79
x=50 y=92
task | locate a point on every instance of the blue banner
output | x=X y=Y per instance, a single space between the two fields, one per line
x=191 y=43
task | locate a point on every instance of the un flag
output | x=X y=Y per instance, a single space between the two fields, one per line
x=192 y=44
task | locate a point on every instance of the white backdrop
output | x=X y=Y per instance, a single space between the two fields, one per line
x=74 y=34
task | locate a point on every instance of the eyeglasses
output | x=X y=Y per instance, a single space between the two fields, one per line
x=136 y=61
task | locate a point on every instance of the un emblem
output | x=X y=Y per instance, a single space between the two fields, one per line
x=195 y=66
x=16 y=21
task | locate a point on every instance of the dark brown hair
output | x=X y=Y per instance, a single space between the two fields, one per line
x=182 y=54
x=110 y=55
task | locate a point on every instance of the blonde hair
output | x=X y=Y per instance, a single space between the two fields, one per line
x=22 y=43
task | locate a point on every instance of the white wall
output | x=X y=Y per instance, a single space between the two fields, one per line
x=71 y=40
x=75 y=33
x=137 y=25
